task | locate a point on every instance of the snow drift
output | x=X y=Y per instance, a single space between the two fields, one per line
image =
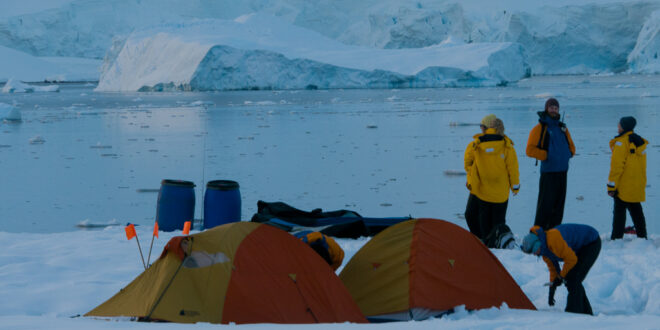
x=262 y=52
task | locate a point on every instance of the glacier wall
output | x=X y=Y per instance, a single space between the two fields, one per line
x=644 y=57
x=562 y=37
x=258 y=51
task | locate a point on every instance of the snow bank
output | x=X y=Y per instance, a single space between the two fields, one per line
x=262 y=52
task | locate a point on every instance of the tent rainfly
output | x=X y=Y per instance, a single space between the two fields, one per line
x=242 y=272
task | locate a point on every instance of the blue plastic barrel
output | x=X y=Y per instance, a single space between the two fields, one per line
x=176 y=204
x=222 y=203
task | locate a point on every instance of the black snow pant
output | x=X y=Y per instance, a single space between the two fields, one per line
x=472 y=215
x=482 y=216
x=619 y=221
x=577 y=301
x=552 y=196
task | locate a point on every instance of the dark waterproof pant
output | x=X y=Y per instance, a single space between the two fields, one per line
x=619 y=222
x=577 y=301
x=552 y=196
x=482 y=216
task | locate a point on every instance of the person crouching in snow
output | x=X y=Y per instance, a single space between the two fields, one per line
x=491 y=165
x=578 y=247
x=324 y=245
x=627 y=179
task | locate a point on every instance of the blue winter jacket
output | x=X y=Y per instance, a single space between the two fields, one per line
x=559 y=151
x=563 y=243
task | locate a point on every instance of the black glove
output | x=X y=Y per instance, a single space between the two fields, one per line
x=553 y=288
x=551 y=295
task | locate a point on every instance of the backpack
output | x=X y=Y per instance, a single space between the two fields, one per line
x=500 y=237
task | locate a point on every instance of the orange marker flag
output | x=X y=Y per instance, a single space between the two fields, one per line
x=130 y=231
x=152 y=242
x=186 y=228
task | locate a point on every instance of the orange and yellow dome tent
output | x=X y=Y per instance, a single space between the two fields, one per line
x=426 y=267
x=242 y=272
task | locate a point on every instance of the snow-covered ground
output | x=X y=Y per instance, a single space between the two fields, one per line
x=84 y=157
x=46 y=279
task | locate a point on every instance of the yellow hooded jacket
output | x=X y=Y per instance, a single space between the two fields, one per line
x=628 y=168
x=491 y=164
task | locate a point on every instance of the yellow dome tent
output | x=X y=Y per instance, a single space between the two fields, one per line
x=242 y=272
x=426 y=267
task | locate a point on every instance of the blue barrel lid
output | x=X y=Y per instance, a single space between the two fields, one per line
x=222 y=185
x=178 y=183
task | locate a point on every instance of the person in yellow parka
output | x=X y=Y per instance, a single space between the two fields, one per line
x=324 y=245
x=491 y=165
x=627 y=179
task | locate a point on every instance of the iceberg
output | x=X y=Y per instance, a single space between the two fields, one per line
x=16 y=86
x=10 y=113
x=259 y=51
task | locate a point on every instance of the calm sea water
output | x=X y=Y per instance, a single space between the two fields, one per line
x=378 y=152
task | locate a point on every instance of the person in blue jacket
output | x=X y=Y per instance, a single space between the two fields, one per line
x=577 y=246
x=551 y=143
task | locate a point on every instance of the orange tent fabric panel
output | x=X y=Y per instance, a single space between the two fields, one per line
x=451 y=267
x=300 y=287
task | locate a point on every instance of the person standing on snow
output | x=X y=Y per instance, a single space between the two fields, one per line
x=627 y=179
x=578 y=247
x=551 y=143
x=491 y=165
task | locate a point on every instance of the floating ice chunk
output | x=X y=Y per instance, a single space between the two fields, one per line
x=544 y=95
x=14 y=115
x=37 y=140
x=201 y=103
x=10 y=113
x=87 y=223
x=455 y=173
x=455 y=124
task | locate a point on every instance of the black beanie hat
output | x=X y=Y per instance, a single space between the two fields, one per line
x=627 y=123
x=551 y=101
